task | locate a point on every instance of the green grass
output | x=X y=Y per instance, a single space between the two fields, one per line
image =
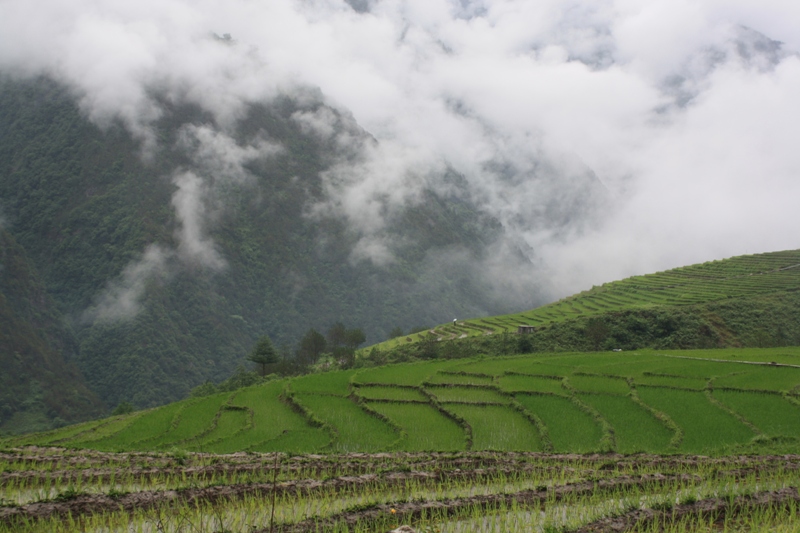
x=403 y=374
x=427 y=429
x=706 y=427
x=789 y=355
x=570 y=428
x=467 y=394
x=547 y=365
x=635 y=429
x=459 y=379
x=672 y=381
x=599 y=384
x=193 y=420
x=146 y=427
x=693 y=368
x=498 y=366
x=295 y=441
x=324 y=383
x=736 y=277
x=271 y=419
x=392 y=393
x=773 y=415
x=230 y=422
x=761 y=377
x=108 y=427
x=586 y=361
x=498 y=428
x=357 y=430
x=632 y=364
x=514 y=383
x=61 y=434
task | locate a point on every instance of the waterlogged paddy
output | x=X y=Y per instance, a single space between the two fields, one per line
x=454 y=492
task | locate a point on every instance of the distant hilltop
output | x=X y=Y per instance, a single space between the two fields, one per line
x=748 y=300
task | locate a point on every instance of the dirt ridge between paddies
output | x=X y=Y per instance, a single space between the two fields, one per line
x=709 y=509
x=204 y=473
x=352 y=463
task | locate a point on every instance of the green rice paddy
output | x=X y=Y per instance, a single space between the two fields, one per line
x=426 y=428
x=498 y=428
x=467 y=395
x=570 y=428
x=402 y=394
x=705 y=425
x=697 y=401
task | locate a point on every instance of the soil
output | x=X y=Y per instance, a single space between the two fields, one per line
x=711 y=509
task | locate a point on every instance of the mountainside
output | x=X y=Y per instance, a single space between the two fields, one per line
x=749 y=300
x=170 y=252
x=39 y=383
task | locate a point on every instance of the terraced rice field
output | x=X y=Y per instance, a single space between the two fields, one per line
x=56 y=490
x=710 y=402
x=456 y=446
x=743 y=276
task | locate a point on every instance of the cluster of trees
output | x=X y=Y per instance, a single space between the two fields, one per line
x=339 y=344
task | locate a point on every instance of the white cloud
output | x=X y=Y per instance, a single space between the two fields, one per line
x=122 y=298
x=692 y=138
x=194 y=245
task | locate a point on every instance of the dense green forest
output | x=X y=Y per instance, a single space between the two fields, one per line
x=85 y=204
x=39 y=383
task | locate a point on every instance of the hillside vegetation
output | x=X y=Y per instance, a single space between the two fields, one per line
x=84 y=206
x=750 y=300
x=39 y=382
x=709 y=401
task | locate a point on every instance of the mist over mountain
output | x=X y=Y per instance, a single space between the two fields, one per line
x=185 y=177
x=168 y=267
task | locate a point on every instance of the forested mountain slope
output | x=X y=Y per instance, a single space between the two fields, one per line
x=39 y=384
x=169 y=255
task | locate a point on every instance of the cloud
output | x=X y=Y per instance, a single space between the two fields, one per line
x=122 y=298
x=194 y=245
x=608 y=138
x=218 y=162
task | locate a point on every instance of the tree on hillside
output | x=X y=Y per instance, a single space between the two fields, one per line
x=312 y=345
x=596 y=332
x=353 y=338
x=336 y=335
x=123 y=409
x=264 y=354
x=342 y=343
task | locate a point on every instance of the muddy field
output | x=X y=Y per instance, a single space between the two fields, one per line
x=51 y=489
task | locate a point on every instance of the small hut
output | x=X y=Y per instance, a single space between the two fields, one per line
x=526 y=329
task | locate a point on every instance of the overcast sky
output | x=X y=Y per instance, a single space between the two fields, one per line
x=688 y=112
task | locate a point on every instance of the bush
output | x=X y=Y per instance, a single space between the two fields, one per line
x=123 y=409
